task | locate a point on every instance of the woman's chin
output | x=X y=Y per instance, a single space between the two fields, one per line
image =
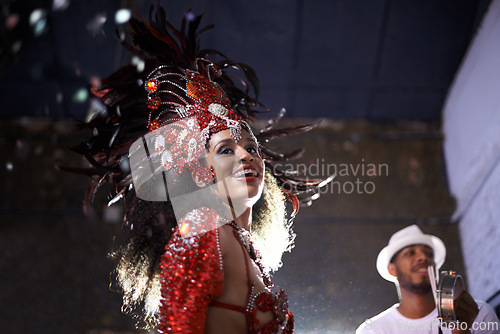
x=245 y=198
x=240 y=193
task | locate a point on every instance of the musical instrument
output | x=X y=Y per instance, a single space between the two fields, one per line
x=449 y=286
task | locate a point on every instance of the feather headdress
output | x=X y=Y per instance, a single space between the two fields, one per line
x=177 y=81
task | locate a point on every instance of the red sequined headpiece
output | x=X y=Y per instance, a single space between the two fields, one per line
x=197 y=97
x=201 y=107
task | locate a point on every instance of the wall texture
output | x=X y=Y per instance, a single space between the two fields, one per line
x=472 y=149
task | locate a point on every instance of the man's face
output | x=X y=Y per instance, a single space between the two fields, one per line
x=410 y=267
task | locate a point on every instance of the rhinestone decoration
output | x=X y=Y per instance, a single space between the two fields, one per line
x=166 y=159
x=246 y=240
x=192 y=149
x=191 y=273
x=192 y=276
x=152 y=86
x=265 y=301
x=159 y=143
x=154 y=102
x=181 y=111
x=153 y=125
x=218 y=110
x=204 y=100
x=179 y=147
x=234 y=128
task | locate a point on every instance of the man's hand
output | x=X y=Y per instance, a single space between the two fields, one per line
x=466 y=310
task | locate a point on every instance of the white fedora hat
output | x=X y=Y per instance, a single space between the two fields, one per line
x=408 y=236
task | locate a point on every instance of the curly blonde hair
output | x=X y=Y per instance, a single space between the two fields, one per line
x=148 y=227
x=271 y=230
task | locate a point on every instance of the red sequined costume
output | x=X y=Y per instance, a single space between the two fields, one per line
x=163 y=131
x=192 y=277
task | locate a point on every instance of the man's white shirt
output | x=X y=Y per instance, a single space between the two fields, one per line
x=391 y=321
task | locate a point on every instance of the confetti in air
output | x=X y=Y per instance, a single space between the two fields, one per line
x=38 y=21
x=16 y=47
x=37 y=15
x=59 y=97
x=11 y=21
x=95 y=25
x=139 y=63
x=122 y=16
x=60 y=5
x=190 y=16
x=80 y=95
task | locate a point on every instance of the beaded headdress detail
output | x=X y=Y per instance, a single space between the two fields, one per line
x=185 y=108
x=194 y=96
x=181 y=100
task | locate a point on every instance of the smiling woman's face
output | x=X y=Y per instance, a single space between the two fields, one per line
x=238 y=167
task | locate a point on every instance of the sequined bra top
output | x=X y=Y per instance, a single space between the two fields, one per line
x=192 y=277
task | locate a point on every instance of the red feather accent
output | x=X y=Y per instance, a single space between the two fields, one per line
x=294 y=200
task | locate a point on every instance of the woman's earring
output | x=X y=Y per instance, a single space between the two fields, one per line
x=203 y=176
x=212 y=172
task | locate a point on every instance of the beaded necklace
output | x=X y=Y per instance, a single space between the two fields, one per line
x=245 y=238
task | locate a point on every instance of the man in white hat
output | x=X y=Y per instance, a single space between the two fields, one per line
x=404 y=261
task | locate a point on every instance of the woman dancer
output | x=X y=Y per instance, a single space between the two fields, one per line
x=205 y=209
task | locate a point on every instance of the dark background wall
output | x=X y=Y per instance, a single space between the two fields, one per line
x=378 y=71
x=375 y=60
